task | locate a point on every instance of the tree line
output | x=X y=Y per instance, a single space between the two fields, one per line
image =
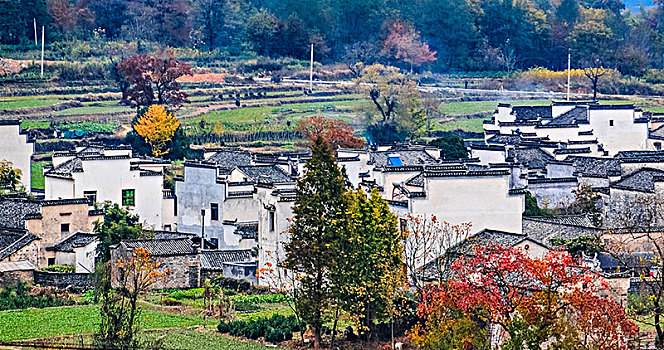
x=445 y=35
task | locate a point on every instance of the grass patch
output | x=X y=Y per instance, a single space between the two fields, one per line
x=35 y=124
x=28 y=103
x=189 y=339
x=95 y=110
x=37 y=175
x=54 y=321
x=470 y=125
x=472 y=107
x=88 y=126
x=259 y=115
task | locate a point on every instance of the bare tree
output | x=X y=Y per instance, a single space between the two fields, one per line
x=594 y=72
x=426 y=242
x=638 y=244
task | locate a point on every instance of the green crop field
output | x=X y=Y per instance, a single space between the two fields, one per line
x=95 y=110
x=470 y=125
x=37 y=175
x=53 y=321
x=472 y=107
x=27 y=103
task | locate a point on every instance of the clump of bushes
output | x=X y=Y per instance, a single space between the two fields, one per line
x=60 y=268
x=275 y=329
x=19 y=296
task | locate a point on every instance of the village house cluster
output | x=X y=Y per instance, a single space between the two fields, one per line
x=228 y=213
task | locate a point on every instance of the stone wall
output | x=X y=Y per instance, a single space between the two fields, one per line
x=75 y=281
x=11 y=277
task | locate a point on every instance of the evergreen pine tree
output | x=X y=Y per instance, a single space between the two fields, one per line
x=318 y=220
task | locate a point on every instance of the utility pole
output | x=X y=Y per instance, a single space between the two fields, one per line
x=35 y=25
x=42 y=56
x=202 y=228
x=311 y=69
x=569 y=72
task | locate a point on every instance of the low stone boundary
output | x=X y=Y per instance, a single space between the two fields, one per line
x=75 y=281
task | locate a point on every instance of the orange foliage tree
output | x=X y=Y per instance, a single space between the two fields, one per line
x=552 y=299
x=119 y=306
x=336 y=133
x=157 y=126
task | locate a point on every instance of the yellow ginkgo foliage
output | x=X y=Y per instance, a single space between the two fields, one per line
x=157 y=126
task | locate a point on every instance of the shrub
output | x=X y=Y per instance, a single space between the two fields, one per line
x=274 y=329
x=60 y=268
x=19 y=297
x=191 y=294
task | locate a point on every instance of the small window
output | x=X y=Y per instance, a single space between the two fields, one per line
x=167 y=228
x=271 y=219
x=51 y=261
x=658 y=146
x=128 y=198
x=214 y=211
x=91 y=196
x=611 y=122
x=64 y=228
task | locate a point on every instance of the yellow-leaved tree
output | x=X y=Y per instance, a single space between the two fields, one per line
x=157 y=126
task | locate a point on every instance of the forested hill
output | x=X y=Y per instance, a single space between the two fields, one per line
x=436 y=35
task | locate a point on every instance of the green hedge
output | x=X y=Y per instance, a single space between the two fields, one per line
x=274 y=329
x=60 y=268
x=18 y=296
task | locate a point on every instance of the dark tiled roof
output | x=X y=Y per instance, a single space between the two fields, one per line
x=408 y=157
x=532 y=157
x=215 y=259
x=78 y=239
x=642 y=180
x=172 y=235
x=229 y=159
x=417 y=180
x=66 y=169
x=504 y=139
x=163 y=247
x=266 y=174
x=639 y=154
x=531 y=112
x=572 y=150
x=570 y=117
x=248 y=230
x=657 y=133
x=595 y=167
x=14 y=210
x=544 y=229
x=12 y=240
x=626 y=260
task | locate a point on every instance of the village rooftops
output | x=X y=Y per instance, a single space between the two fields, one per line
x=572 y=116
x=407 y=157
x=12 y=240
x=163 y=247
x=77 y=239
x=642 y=180
x=531 y=112
x=230 y=158
x=216 y=259
x=13 y=211
x=265 y=174
x=595 y=166
x=547 y=228
x=532 y=157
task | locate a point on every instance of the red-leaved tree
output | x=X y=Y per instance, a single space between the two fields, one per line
x=153 y=79
x=336 y=133
x=521 y=301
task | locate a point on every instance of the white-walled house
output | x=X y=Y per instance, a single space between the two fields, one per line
x=16 y=148
x=131 y=182
x=578 y=127
x=225 y=187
